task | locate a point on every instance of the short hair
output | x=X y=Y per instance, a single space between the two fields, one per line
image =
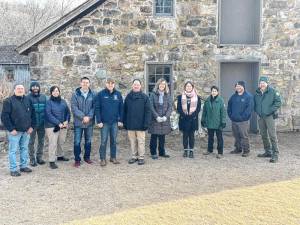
x=214 y=87
x=18 y=84
x=53 y=88
x=85 y=78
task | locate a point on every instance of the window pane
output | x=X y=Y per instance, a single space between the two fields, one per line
x=167 y=78
x=151 y=78
x=167 y=70
x=159 y=69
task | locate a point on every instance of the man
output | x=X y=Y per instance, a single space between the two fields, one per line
x=240 y=107
x=137 y=116
x=83 y=109
x=109 y=115
x=266 y=103
x=19 y=119
x=38 y=102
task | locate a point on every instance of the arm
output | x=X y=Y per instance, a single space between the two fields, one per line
x=91 y=113
x=33 y=116
x=125 y=112
x=223 y=113
x=169 y=111
x=204 y=114
x=121 y=110
x=229 y=109
x=5 y=116
x=249 y=107
x=51 y=118
x=198 y=108
x=98 y=108
x=67 y=112
x=152 y=105
x=276 y=102
x=147 y=118
x=75 y=109
x=179 y=106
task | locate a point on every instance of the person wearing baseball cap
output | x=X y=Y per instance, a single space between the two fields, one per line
x=267 y=102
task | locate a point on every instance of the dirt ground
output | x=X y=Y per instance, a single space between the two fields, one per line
x=57 y=196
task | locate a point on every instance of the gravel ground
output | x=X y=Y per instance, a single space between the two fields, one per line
x=56 y=196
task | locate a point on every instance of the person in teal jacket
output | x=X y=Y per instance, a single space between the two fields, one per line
x=213 y=118
x=267 y=101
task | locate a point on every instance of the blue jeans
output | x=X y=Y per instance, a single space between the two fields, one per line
x=19 y=141
x=88 y=133
x=112 y=131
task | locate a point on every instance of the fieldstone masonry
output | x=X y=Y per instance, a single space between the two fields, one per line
x=120 y=36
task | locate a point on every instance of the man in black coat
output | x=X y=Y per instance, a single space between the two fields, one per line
x=137 y=116
x=19 y=119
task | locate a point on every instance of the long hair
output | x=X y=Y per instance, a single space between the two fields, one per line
x=53 y=88
x=156 y=88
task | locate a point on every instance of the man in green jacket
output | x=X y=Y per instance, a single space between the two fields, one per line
x=266 y=103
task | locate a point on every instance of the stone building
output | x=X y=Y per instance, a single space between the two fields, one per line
x=208 y=41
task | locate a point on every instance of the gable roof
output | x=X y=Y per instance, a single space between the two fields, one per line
x=60 y=24
x=9 y=55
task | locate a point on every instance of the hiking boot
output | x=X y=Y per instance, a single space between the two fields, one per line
x=26 y=170
x=185 y=153
x=62 y=158
x=236 y=151
x=207 y=153
x=141 y=162
x=33 y=163
x=103 y=162
x=132 y=160
x=15 y=174
x=245 y=154
x=274 y=159
x=77 y=164
x=154 y=157
x=40 y=161
x=191 y=155
x=88 y=161
x=219 y=156
x=264 y=155
x=164 y=156
x=114 y=161
x=53 y=165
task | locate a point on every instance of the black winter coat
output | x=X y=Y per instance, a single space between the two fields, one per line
x=137 y=112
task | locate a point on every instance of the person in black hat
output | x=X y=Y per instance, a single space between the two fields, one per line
x=38 y=102
x=240 y=108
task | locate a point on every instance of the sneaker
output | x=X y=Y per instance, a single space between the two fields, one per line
x=114 y=161
x=15 y=174
x=165 y=156
x=53 y=165
x=236 y=151
x=88 y=161
x=33 y=163
x=40 y=161
x=219 y=156
x=264 y=155
x=132 y=160
x=26 y=170
x=141 y=162
x=207 y=153
x=77 y=164
x=154 y=157
x=62 y=158
x=103 y=162
x=191 y=155
x=185 y=153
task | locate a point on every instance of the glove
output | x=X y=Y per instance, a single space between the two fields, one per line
x=159 y=119
x=56 y=129
x=164 y=119
x=203 y=124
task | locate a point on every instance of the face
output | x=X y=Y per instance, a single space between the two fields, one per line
x=263 y=85
x=162 y=86
x=214 y=92
x=55 y=92
x=239 y=88
x=136 y=86
x=35 y=89
x=188 y=88
x=19 y=90
x=85 y=84
x=110 y=86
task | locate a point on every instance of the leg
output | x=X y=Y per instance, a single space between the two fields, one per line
x=264 y=135
x=237 y=139
x=104 y=136
x=185 y=140
x=13 y=145
x=220 y=141
x=244 y=136
x=133 y=144
x=153 y=144
x=272 y=134
x=192 y=139
x=141 y=144
x=62 y=134
x=77 y=143
x=113 y=140
x=161 y=145
x=210 y=144
x=31 y=145
x=41 y=141
x=24 y=141
x=53 y=137
x=88 y=134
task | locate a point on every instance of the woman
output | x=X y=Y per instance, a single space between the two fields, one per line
x=188 y=107
x=213 y=118
x=161 y=108
x=56 y=124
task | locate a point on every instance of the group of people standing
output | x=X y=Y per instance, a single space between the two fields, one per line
x=26 y=117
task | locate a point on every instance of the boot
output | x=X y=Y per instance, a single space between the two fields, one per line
x=40 y=161
x=274 y=159
x=236 y=151
x=264 y=155
x=191 y=155
x=185 y=153
x=33 y=162
x=53 y=165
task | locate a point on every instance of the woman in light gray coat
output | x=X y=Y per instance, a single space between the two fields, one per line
x=161 y=108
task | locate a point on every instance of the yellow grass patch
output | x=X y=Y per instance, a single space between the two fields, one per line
x=268 y=204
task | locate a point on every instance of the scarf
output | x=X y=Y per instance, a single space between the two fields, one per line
x=161 y=97
x=55 y=99
x=193 y=102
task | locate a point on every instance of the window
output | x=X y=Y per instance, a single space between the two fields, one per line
x=239 y=22
x=164 y=7
x=157 y=71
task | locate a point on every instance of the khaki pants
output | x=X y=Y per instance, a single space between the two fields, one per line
x=241 y=136
x=137 y=143
x=56 y=140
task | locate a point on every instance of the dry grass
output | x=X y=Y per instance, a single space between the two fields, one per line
x=269 y=204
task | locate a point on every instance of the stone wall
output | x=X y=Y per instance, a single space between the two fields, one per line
x=120 y=36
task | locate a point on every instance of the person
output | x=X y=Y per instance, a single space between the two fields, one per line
x=188 y=107
x=214 y=119
x=109 y=116
x=267 y=102
x=83 y=109
x=38 y=102
x=136 y=119
x=19 y=119
x=160 y=126
x=56 y=124
x=239 y=110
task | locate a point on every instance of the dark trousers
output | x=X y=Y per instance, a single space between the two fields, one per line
x=40 y=132
x=188 y=139
x=161 y=144
x=88 y=133
x=211 y=135
x=241 y=136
